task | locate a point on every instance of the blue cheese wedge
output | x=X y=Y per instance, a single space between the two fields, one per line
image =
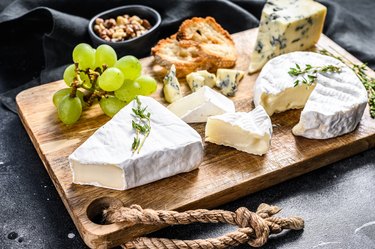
x=228 y=79
x=333 y=105
x=250 y=132
x=172 y=89
x=198 y=106
x=195 y=81
x=287 y=26
x=106 y=160
x=200 y=78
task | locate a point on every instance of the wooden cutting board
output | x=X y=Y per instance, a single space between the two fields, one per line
x=225 y=174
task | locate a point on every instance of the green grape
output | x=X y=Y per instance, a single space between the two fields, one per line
x=86 y=83
x=147 y=83
x=105 y=55
x=69 y=109
x=111 y=79
x=128 y=91
x=60 y=94
x=69 y=75
x=130 y=67
x=111 y=105
x=84 y=55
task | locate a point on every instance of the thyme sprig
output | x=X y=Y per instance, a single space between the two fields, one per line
x=311 y=73
x=141 y=125
x=360 y=70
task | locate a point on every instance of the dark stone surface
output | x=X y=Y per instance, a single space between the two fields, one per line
x=335 y=201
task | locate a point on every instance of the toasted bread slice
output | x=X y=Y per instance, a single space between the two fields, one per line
x=200 y=44
x=185 y=55
x=213 y=39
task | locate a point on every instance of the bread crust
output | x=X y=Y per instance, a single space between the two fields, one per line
x=199 y=44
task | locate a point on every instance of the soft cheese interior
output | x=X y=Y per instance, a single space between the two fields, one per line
x=198 y=106
x=105 y=159
x=286 y=26
x=246 y=131
x=291 y=98
x=333 y=106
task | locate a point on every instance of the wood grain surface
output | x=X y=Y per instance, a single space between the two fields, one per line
x=225 y=174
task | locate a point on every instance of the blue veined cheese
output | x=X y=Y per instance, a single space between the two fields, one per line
x=209 y=78
x=228 y=79
x=332 y=106
x=171 y=89
x=106 y=160
x=195 y=81
x=199 y=79
x=250 y=132
x=198 y=106
x=286 y=26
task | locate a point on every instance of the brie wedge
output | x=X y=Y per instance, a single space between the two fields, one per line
x=333 y=106
x=106 y=160
x=246 y=131
x=198 y=106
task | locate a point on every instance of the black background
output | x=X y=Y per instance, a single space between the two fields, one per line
x=36 y=37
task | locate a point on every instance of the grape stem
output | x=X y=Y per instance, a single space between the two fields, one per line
x=93 y=77
x=76 y=81
x=91 y=96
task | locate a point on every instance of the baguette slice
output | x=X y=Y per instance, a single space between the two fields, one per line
x=185 y=55
x=199 y=44
x=214 y=41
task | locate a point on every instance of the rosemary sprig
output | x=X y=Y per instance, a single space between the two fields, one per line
x=369 y=84
x=311 y=73
x=360 y=70
x=141 y=125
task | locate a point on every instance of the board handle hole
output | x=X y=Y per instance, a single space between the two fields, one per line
x=96 y=208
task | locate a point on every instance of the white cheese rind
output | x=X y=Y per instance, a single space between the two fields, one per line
x=198 y=106
x=250 y=132
x=332 y=107
x=172 y=147
x=286 y=26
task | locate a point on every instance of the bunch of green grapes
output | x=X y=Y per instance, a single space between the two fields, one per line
x=97 y=75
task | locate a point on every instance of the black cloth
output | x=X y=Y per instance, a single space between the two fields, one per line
x=38 y=35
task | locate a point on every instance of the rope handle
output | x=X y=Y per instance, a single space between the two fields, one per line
x=254 y=228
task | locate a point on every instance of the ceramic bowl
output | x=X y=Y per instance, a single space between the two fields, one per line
x=139 y=46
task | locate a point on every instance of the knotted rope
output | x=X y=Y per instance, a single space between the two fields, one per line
x=254 y=228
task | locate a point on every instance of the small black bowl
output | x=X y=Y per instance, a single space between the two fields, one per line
x=139 y=46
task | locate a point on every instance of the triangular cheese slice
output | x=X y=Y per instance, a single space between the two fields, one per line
x=106 y=160
x=198 y=106
x=246 y=131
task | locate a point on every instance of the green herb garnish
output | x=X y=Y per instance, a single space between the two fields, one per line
x=141 y=125
x=367 y=81
x=311 y=73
